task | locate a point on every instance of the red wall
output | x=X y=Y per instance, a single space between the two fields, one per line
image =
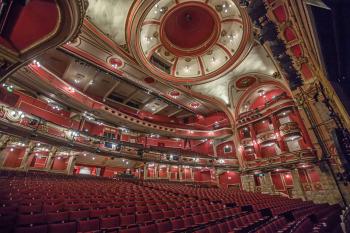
x=13 y=158
x=221 y=153
x=38 y=162
x=201 y=175
x=267 y=151
x=202 y=147
x=59 y=164
x=277 y=182
x=229 y=178
x=260 y=101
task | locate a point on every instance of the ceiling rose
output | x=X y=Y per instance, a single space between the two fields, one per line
x=191 y=41
x=189 y=29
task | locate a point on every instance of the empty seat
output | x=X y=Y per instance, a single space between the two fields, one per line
x=29 y=209
x=79 y=214
x=31 y=220
x=127 y=220
x=150 y=228
x=34 y=229
x=114 y=211
x=164 y=226
x=98 y=213
x=157 y=215
x=168 y=214
x=129 y=230
x=57 y=217
x=88 y=225
x=69 y=227
x=52 y=208
x=141 y=218
x=178 y=224
x=109 y=223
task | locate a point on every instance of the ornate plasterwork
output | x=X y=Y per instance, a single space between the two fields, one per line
x=163 y=57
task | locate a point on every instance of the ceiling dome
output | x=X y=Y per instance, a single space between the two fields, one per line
x=190 y=41
x=189 y=29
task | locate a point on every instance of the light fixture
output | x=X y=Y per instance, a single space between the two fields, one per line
x=35 y=62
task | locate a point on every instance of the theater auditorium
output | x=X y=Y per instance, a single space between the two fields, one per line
x=192 y=116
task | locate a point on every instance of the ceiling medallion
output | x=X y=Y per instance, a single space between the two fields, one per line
x=194 y=105
x=189 y=29
x=149 y=80
x=201 y=42
x=116 y=62
x=174 y=93
x=245 y=82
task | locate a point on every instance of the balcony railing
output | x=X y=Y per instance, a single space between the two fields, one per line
x=49 y=131
x=282 y=159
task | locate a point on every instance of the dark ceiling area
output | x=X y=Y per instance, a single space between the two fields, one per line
x=333 y=29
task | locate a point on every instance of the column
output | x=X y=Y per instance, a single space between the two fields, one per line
x=156 y=171
x=276 y=126
x=191 y=171
x=4 y=141
x=70 y=165
x=255 y=143
x=168 y=171
x=266 y=183
x=180 y=172
x=330 y=192
x=302 y=127
x=238 y=147
x=145 y=171
x=25 y=163
x=248 y=182
x=298 y=190
x=50 y=158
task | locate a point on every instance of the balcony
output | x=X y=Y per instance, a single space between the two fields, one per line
x=290 y=131
x=266 y=138
x=24 y=125
x=282 y=159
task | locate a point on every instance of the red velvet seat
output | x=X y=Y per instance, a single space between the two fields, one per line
x=69 y=227
x=114 y=211
x=88 y=225
x=79 y=214
x=198 y=219
x=26 y=209
x=7 y=210
x=31 y=220
x=141 y=218
x=57 y=217
x=127 y=220
x=130 y=230
x=202 y=231
x=178 y=224
x=164 y=226
x=128 y=210
x=34 y=229
x=213 y=229
x=168 y=214
x=156 y=215
x=151 y=228
x=109 y=222
x=98 y=213
x=52 y=208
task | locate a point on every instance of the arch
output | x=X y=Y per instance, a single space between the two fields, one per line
x=66 y=18
x=255 y=87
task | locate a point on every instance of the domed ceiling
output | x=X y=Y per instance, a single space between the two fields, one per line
x=189 y=41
